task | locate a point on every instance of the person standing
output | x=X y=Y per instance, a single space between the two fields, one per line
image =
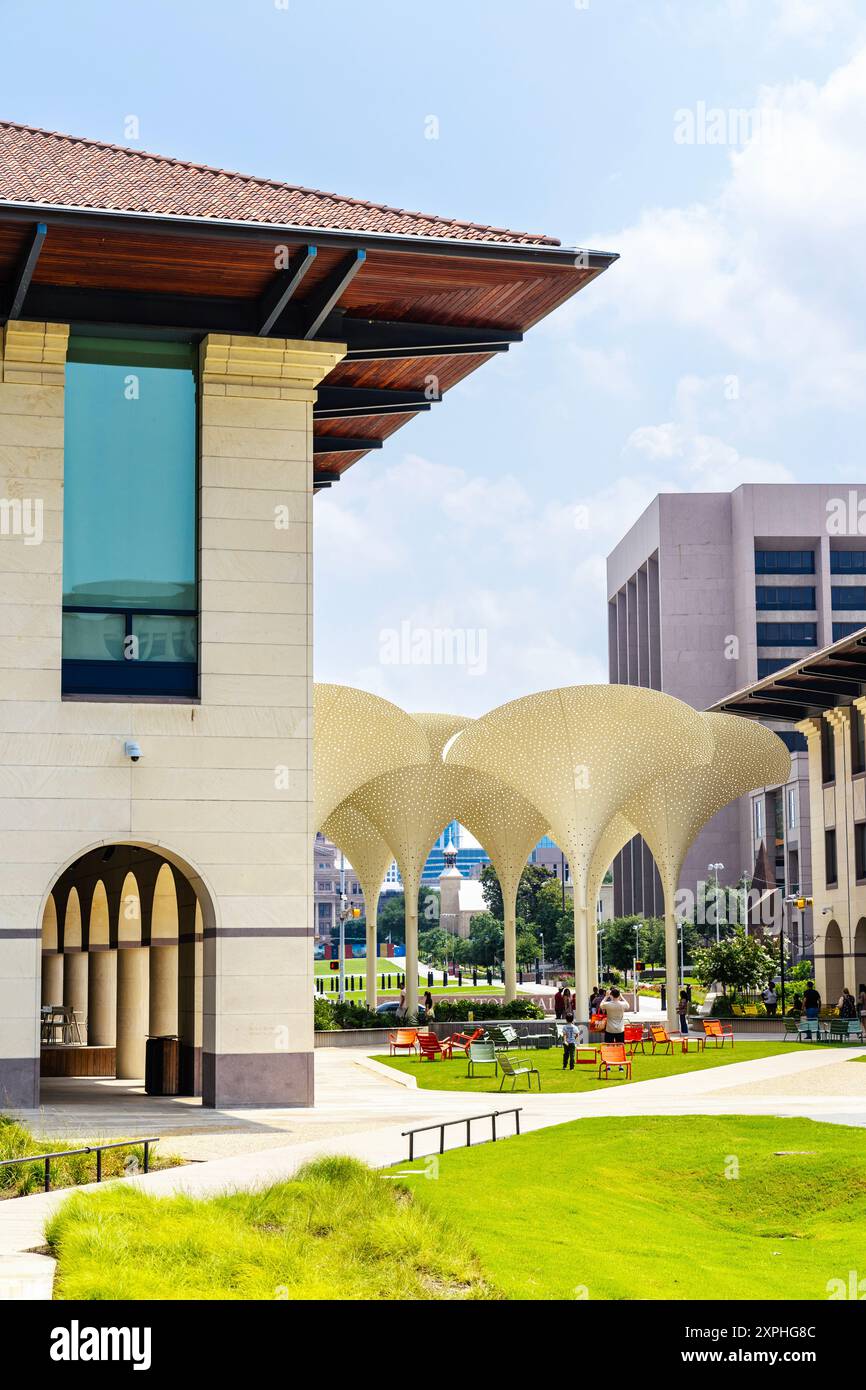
x=613 y=1007
x=567 y=1005
x=683 y=1012
x=401 y=1003
x=569 y=1042
x=847 y=1004
x=811 y=1000
x=862 y=993
x=770 y=998
x=557 y=1001
x=429 y=1010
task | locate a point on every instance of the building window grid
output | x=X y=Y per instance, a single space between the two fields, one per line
x=848 y=561
x=851 y=596
x=787 y=634
x=784 y=562
x=785 y=596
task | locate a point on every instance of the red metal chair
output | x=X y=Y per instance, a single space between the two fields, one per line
x=634 y=1038
x=464 y=1039
x=613 y=1055
x=430 y=1047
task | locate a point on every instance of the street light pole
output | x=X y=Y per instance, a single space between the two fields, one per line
x=714 y=870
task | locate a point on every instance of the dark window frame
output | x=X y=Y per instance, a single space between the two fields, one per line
x=831 y=866
x=828 y=753
x=860 y=851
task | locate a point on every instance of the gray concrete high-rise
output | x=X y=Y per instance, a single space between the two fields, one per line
x=708 y=592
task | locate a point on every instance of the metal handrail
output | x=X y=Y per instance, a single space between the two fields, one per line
x=491 y=1115
x=97 y=1149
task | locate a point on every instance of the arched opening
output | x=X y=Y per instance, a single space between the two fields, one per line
x=122 y=960
x=834 y=964
x=859 y=971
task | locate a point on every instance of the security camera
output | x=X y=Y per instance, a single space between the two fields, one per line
x=132 y=750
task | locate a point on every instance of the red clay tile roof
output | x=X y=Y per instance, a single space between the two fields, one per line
x=46 y=168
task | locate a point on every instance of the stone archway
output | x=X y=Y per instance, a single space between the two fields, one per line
x=859 y=971
x=834 y=964
x=123 y=927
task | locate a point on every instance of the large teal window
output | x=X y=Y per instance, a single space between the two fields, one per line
x=129 y=519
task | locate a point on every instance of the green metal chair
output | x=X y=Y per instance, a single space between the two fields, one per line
x=511 y=1069
x=504 y=1039
x=482 y=1054
x=844 y=1030
x=796 y=1028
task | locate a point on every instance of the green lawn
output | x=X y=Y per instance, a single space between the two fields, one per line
x=644 y=1208
x=355 y=967
x=338 y=1231
x=451 y=1075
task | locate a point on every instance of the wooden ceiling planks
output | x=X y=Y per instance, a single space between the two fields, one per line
x=400 y=282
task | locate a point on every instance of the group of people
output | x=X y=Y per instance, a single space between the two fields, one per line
x=609 y=1002
x=809 y=1003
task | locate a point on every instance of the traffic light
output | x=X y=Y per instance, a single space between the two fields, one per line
x=356 y=912
x=335 y=965
x=638 y=965
x=803 y=903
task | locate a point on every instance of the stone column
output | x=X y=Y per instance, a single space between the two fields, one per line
x=189 y=994
x=581 y=984
x=75 y=987
x=371 y=912
x=52 y=977
x=163 y=989
x=102 y=996
x=256 y=663
x=411 y=889
x=32 y=358
x=821 y=896
x=509 y=901
x=132 y=1011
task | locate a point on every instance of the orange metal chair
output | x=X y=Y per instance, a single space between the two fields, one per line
x=405 y=1039
x=660 y=1037
x=613 y=1055
x=719 y=1032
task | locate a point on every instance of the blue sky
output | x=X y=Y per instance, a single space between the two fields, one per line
x=725 y=346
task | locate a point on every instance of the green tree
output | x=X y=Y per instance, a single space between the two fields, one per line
x=533 y=881
x=486 y=938
x=528 y=946
x=739 y=962
x=433 y=945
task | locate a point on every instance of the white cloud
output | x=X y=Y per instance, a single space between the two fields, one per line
x=769 y=270
x=706 y=463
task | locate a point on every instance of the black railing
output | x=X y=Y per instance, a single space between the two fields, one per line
x=444 y=1124
x=97 y=1149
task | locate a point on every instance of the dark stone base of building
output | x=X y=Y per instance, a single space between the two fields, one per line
x=257 y=1078
x=19 y=1083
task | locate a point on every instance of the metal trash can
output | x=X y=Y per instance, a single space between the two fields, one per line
x=162 y=1066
